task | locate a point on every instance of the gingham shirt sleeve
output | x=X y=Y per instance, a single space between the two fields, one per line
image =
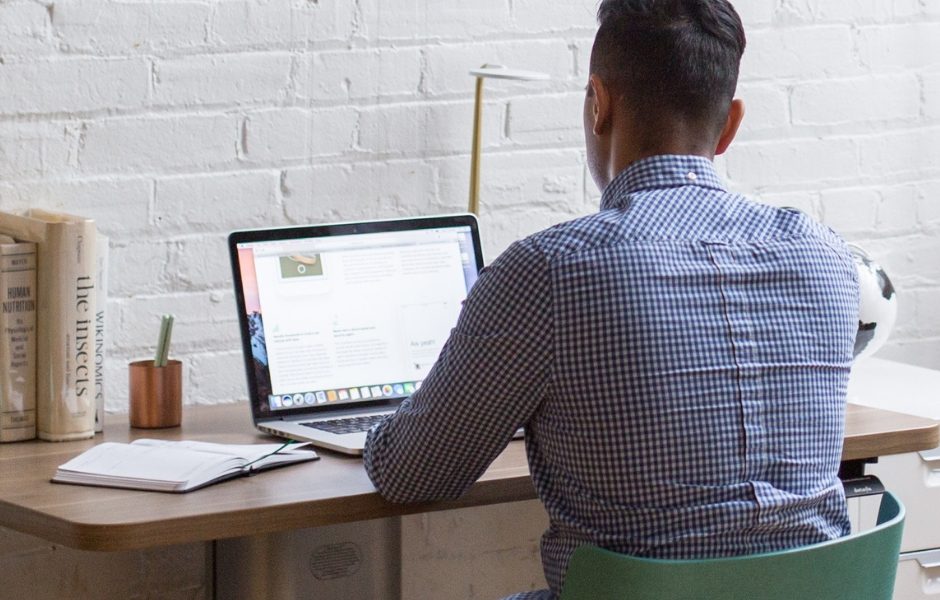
x=489 y=379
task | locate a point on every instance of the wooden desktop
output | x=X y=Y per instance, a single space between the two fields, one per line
x=332 y=490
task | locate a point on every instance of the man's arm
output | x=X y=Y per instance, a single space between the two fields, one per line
x=489 y=379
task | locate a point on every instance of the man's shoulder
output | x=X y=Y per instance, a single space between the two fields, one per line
x=583 y=233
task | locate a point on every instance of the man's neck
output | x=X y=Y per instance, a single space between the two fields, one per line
x=625 y=154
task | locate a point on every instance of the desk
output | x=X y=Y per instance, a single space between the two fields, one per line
x=332 y=490
x=327 y=492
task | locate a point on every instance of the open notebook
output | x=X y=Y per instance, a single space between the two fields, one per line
x=165 y=466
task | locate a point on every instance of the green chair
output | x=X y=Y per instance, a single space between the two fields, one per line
x=855 y=567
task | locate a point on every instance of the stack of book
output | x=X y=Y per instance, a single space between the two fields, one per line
x=52 y=335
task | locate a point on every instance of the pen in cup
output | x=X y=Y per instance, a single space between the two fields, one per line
x=156 y=386
x=163 y=341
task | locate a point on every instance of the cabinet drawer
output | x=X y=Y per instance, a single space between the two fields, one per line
x=915 y=479
x=918 y=576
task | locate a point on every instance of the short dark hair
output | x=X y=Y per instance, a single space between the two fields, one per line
x=670 y=58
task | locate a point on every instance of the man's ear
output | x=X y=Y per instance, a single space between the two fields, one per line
x=735 y=115
x=601 y=105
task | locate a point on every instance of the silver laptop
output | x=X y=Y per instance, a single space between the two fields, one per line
x=342 y=322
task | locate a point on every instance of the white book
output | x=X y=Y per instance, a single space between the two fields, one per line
x=101 y=330
x=166 y=466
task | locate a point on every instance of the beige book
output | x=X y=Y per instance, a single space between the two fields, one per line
x=65 y=391
x=17 y=340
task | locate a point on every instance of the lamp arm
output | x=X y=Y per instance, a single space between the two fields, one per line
x=474 y=204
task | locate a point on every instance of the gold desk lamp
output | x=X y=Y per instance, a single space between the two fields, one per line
x=488 y=72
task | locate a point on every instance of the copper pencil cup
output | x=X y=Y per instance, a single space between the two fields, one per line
x=156 y=394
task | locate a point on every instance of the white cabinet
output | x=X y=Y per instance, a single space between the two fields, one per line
x=913 y=477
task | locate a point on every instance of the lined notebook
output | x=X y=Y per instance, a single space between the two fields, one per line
x=167 y=466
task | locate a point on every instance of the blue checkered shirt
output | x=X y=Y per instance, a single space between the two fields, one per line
x=679 y=361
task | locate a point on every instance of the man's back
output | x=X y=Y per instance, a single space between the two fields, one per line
x=702 y=346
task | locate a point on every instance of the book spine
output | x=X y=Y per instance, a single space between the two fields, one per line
x=17 y=341
x=65 y=392
x=101 y=331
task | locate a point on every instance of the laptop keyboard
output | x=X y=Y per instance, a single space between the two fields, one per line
x=347 y=425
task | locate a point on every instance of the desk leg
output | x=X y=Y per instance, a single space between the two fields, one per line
x=336 y=562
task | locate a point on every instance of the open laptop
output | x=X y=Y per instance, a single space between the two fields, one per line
x=342 y=322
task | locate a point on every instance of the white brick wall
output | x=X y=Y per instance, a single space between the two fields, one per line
x=152 y=116
x=177 y=121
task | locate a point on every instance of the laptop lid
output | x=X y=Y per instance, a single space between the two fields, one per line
x=348 y=315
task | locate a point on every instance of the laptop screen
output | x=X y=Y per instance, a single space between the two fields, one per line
x=354 y=313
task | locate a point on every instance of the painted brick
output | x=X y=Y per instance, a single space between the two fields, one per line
x=900 y=151
x=546 y=119
x=201 y=319
x=146 y=144
x=119 y=207
x=284 y=23
x=931 y=95
x=530 y=16
x=453 y=183
x=398 y=129
x=358 y=74
x=30 y=149
x=861 y=11
x=543 y=180
x=581 y=51
x=850 y=210
x=73 y=85
x=217 y=202
x=880 y=98
x=243 y=78
x=927 y=206
x=800 y=52
x=444 y=127
x=852 y=11
x=221 y=376
x=129 y=27
x=199 y=263
x=24 y=29
x=360 y=190
x=755 y=13
x=138 y=266
x=812 y=161
x=412 y=19
x=899 y=46
x=295 y=134
x=916 y=306
x=898 y=210
x=766 y=111
x=448 y=66
x=326 y=20
x=926 y=303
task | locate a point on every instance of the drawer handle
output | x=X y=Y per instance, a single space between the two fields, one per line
x=930 y=456
x=929 y=564
x=927 y=559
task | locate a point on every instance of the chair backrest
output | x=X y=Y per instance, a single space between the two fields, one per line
x=862 y=565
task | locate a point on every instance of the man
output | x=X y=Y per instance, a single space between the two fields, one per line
x=679 y=359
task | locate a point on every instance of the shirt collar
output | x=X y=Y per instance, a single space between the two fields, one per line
x=658 y=172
